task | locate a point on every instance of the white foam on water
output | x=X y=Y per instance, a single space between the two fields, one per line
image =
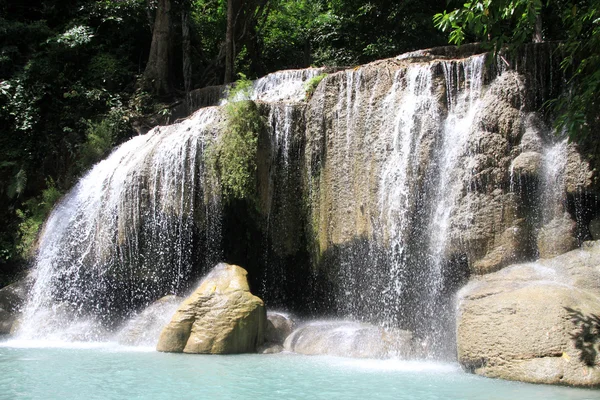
x=78 y=345
x=396 y=365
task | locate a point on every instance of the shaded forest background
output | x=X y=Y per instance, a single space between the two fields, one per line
x=78 y=77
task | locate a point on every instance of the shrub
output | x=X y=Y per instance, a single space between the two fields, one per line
x=311 y=85
x=233 y=156
x=32 y=216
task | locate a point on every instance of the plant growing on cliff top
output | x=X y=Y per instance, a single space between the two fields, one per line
x=233 y=157
x=311 y=85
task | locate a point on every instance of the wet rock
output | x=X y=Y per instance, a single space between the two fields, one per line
x=279 y=326
x=491 y=229
x=527 y=164
x=557 y=236
x=578 y=174
x=594 y=227
x=220 y=317
x=12 y=298
x=502 y=104
x=349 y=339
x=534 y=322
x=270 y=348
x=508 y=247
x=145 y=328
x=531 y=140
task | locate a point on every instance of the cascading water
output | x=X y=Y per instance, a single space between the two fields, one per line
x=141 y=224
x=123 y=236
x=413 y=102
x=553 y=199
x=281 y=197
x=463 y=106
x=415 y=146
x=285 y=85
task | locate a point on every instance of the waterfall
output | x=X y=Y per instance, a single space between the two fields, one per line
x=279 y=86
x=553 y=199
x=413 y=98
x=123 y=236
x=281 y=199
x=375 y=200
x=144 y=223
x=402 y=169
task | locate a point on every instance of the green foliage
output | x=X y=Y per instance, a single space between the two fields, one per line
x=67 y=74
x=107 y=68
x=32 y=216
x=99 y=141
x=76 y=36
x=497 y=23
x=233 y=157
x=288 y=33
x=311 y=85
x=208 y=20
x=350 y=32
x=18 y=184
x=241 y=90
x=579 y=108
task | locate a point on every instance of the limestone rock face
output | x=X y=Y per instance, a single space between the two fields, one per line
x=534 y=322
x=557 y=236
x=145 y=328
x=220 y=317
x=594 y=228
x=503 y=187
x=349 y=339
x=578 y=173
x=12 y=298
x=527 y=164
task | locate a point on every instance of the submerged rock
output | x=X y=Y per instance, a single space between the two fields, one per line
x=349 y=339
x=536 y=322
x=145 y=328
x=220 y=317
x=270 y=348
x=12 y=298
x=278 y=327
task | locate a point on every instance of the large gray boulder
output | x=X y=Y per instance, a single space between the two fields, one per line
x=12 y=298
x=349 y=339
x=145 y=328
x=279 y=326
x=535 y=322
x=220 y=317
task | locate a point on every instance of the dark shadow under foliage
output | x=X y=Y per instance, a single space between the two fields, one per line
x=586 y=335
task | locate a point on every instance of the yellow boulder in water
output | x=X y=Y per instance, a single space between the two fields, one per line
x=220 y=317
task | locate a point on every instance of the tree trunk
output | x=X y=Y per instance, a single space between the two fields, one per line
x=186 y=48
x=537 y=34
x=156 y=75
x=229 y=56
x=307 y=53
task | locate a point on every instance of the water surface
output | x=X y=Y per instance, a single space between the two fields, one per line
x=88 y=371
